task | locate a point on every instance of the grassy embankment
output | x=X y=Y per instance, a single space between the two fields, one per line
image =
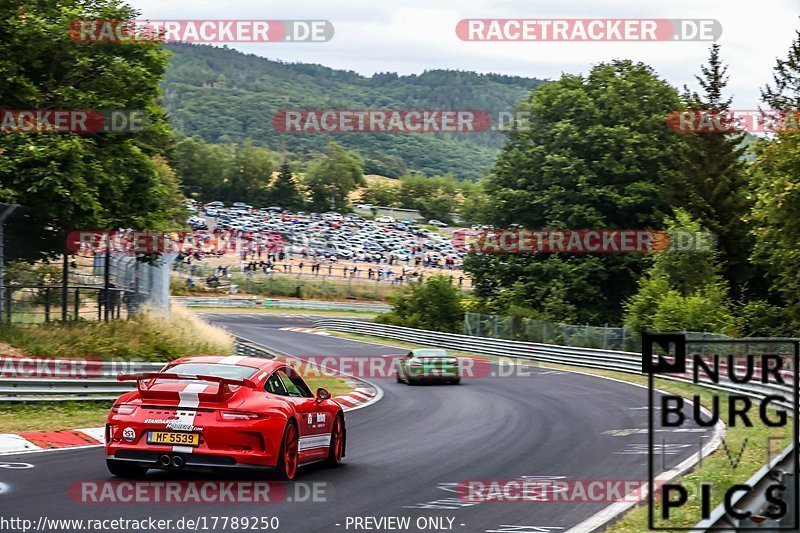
x=145 y=338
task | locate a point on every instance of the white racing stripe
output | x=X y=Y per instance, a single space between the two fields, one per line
x=231 y=360
x=316 y=441
x=189 y=398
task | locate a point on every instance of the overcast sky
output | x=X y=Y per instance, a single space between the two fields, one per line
x=414 y=35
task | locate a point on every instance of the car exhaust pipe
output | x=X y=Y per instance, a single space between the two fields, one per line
x=164 y=460
x=177 y=461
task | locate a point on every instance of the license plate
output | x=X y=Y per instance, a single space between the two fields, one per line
x=169 y=437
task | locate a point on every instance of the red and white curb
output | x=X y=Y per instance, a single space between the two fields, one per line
x=39 y=441
x=312 y=331
x=359 y=398
x=43 y=441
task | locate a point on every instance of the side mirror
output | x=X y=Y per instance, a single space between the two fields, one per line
x=323 y=394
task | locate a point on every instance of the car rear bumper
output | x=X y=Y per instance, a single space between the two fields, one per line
x=433 y=378
x=191 y=461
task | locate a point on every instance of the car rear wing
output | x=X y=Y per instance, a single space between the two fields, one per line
x=223 y=388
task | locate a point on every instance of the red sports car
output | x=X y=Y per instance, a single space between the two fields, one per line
x=223 y=412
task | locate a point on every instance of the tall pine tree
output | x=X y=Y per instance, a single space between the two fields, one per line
x=785 y=94
x=284 y=190
x=776 y=213
x=712 y=184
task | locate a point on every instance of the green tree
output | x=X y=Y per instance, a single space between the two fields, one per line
x=434 y=197
x=712 y=183
x=331 y=178
x=776 y=219
x=595 y=154
x=382 y=193
x=434 y=304
x=99 y=180
x=784 y=92
x=439 y=207
x=776 y=211
x=251 y=173
x=474 y=207
x=202 y=168
x=683 y=290
x=284 y=191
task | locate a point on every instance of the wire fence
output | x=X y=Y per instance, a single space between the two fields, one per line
x=541 y=331
x=37 y=304
x=43 y=279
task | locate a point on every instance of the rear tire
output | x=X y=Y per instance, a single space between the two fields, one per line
x=338 y=440
x=288 y=455
x=125 y=470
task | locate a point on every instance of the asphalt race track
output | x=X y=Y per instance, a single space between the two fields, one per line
x=406 y=453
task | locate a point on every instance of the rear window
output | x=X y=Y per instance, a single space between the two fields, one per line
x=211 y=369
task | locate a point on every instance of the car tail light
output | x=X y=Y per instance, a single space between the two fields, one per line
x=124 y=409
x=241 y=415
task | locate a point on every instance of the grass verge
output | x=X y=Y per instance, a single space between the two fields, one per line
x=147 y=337
x=336 y=386
x=52 y=416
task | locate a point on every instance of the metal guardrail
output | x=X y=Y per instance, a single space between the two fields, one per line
x=270 y=303
x=53 y=380
x=251 y=350
x=618 y=361
x=28 y=379
x=782 y=467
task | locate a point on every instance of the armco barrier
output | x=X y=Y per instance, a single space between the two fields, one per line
x=627 y=362
x=35 y=380
x=269 y=303
x=56 y=380
x=618 y=361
